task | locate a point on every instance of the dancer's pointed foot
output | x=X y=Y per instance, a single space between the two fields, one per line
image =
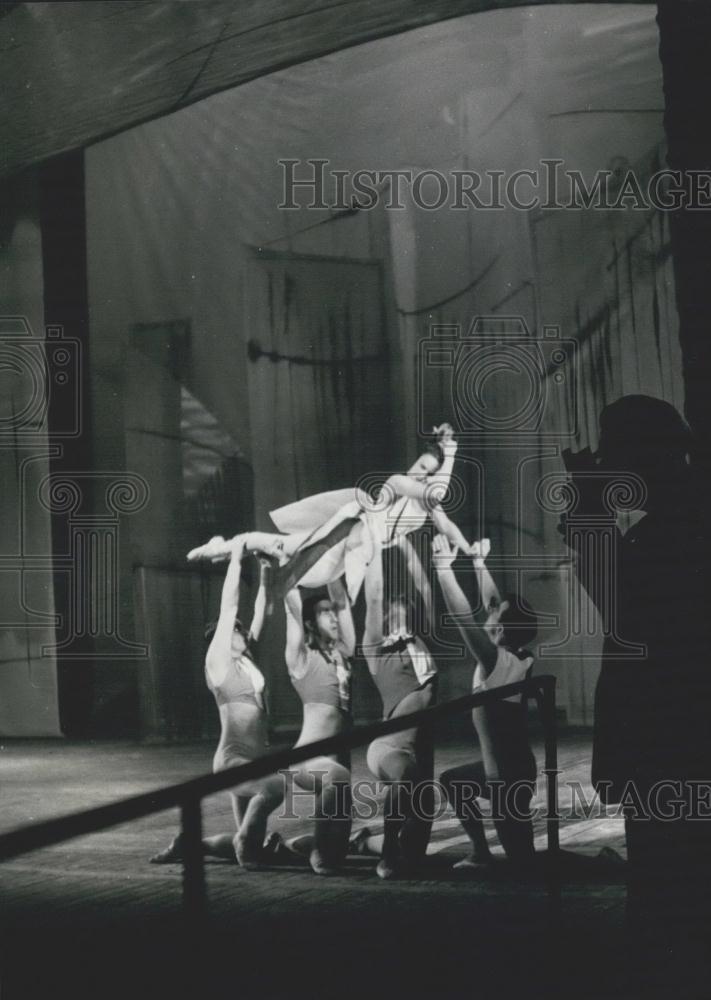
x=392 y=867
x=248 y=856
x=169 y=855
x=216 y=550
x=319 y=865
x=474 y=862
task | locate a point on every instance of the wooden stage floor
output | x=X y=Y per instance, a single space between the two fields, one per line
x=93 y=918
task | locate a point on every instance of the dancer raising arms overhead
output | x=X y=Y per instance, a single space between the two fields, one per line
x=405 y=675
x=238 y=686
x=506 y=772
x=320 y=639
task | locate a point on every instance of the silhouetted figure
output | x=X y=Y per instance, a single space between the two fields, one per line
x=652 y=731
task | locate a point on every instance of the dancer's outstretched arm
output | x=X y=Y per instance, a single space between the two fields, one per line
x=449 y=447
x=260 y=603
x=488 y=591
x=296 y=652
x=347 y=640
x=373 y=632
x=219 y=651
x=476 y=639
x=448 y=528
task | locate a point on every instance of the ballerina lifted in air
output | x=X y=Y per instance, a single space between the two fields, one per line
x=329 y=534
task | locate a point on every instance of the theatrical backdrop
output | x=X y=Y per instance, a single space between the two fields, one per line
x=220 y=356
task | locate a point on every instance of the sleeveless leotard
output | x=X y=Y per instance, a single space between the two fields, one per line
x=395 y=675
x=325 y=679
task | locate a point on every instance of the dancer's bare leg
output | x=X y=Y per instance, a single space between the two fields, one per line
x=462 y=786
x=398 y=768
x=219 y=549
x=284 y=546
x=220 y=845
x=249 y=840
x=330 y=783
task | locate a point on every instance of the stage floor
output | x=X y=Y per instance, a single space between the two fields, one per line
x=96 y=912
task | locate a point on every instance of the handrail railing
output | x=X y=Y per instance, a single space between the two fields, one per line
x=188 y=795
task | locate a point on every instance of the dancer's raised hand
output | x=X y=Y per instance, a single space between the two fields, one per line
x=443 y=553
x=480 y=550
x=445 y=432
x=445 y=439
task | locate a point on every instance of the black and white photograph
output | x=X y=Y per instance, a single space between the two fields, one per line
x=355 y=449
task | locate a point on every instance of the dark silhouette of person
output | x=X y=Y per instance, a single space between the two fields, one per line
x=652 y=726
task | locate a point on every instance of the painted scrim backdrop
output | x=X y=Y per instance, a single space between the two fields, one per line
x=243 y=355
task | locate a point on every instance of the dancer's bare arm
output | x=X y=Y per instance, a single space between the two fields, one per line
x=476 y=639
x=220 y=649
x=296 y=651
x=488 y=591
x=449 y=447
x=347 y=640
x=260 y=603
x=446 y=527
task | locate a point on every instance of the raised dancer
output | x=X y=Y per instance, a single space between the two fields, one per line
x=320 y=640
x=334 y=533
x=506 y=772
x=239 y=689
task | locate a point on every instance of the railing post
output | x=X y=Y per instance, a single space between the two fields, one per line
x=546 y=707
x=194 y=889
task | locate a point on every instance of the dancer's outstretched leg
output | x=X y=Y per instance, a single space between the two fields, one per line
x=219 y=549
x=290 y=573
